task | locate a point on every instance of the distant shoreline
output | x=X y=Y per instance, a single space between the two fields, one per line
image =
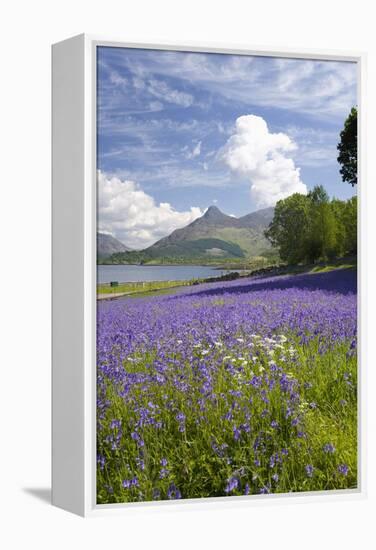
x=214 y=266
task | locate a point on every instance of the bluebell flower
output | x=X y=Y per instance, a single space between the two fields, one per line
x=101 y=460
x=140 y=463
x=163 y=473
x=173 y=492
x=343 y=469
x=134 y=482
x=237 y=433
x=329 y=448
x=232 y=484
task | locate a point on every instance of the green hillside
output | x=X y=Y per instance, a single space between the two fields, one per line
x=213 y=237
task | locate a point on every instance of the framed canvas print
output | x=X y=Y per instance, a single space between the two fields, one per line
x=206 y=234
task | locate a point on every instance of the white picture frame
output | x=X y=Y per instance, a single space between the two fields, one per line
x=74 y=274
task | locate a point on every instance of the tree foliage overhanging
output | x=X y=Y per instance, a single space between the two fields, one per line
x=348 y=148
x=308 y=228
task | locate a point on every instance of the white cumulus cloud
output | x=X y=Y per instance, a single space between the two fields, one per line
x=263 y=158
x=133 y=216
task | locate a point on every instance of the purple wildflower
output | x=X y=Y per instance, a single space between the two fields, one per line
x=237 y=433
x=136 y=437
x=329 y=448
x=343 y=469
x=232 y=484
x=163 y=473
x=180 y=417
x=129 y=483
x=140 y=463
x=173 y=492
x=101 y=460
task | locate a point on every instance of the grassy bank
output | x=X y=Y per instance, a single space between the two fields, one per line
x=248 y=263
x=141 y=287
x=137 y=287
x=319 y=267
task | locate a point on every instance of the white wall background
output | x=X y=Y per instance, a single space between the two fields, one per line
x=27 y=30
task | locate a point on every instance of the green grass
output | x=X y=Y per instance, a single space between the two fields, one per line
x=321 y=267
x=331 y=267
x=140 y=287
x=156 y=292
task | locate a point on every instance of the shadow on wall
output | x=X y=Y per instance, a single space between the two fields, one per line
x=41 y=493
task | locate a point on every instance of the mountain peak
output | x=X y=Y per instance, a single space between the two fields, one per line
x=108 y=245
x=213 y=212
x=215 y=235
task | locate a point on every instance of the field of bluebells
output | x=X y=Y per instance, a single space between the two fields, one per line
x=236 y=388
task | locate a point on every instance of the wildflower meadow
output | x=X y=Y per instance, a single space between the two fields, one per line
x=228 y=388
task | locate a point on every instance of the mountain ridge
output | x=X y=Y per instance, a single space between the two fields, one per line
x=214 y=235
x=214 y=220
x=107 y=245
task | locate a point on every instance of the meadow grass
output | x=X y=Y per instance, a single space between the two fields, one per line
x=139 y=286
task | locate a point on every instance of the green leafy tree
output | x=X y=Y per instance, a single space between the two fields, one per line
x=348 y=148
x=339 y=211
x=288 y=229
x=346 y=213
x=318 y=195
x=321 y=242
x=311 y=228
x=350 y=221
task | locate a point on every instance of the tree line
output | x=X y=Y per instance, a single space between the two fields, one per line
x=309 y=228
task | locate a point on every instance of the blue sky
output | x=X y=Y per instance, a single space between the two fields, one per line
x=179 y=131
